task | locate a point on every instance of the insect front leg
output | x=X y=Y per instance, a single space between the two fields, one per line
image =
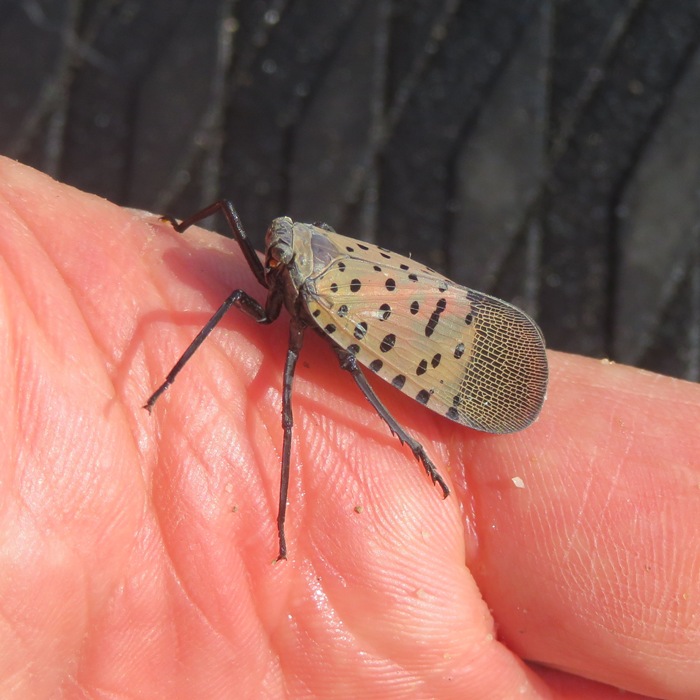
x=238 y=299
x=296 y=338
x=226 y=207
x=348 y=362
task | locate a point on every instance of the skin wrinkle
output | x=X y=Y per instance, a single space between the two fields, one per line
x=15 y=630
x=66 y=288
x=596 y=532
x=86 y=377
x=376 y=658
x=107 y=349
x=256 y=418
x=603 y=509
x=49 y=543
x=180 y=581
x=234 y=454
x=329 y=441
x=572 y=539
x=172 y=567
x=255 y=414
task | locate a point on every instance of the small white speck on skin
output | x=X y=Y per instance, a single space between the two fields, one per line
x=519 y=483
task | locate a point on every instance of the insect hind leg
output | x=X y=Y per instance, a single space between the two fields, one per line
x=348 y=362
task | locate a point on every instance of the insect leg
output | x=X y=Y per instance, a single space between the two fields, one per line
x=349 y=362
x=226 y=207
x=296 y=337
x=237 y=298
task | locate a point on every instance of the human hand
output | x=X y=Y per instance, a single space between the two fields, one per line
x=138 y=551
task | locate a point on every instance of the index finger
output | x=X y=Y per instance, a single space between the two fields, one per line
x=592 y=565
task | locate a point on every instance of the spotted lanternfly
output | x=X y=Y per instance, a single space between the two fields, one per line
x=466 y=355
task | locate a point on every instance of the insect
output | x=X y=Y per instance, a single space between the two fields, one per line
x=473 y=358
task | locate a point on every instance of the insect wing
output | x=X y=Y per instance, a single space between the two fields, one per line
x=467 y=355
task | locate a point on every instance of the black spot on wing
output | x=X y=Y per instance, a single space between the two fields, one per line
x=398 y=381
x=435 y=317
x=422 y=396
x=388 y=342
x=360 y=330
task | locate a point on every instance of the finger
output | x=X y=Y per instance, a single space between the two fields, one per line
x=592 y=564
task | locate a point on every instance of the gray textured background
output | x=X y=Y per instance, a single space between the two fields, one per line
x=548 y=152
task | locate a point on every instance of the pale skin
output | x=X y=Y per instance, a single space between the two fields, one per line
x=137 y=554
